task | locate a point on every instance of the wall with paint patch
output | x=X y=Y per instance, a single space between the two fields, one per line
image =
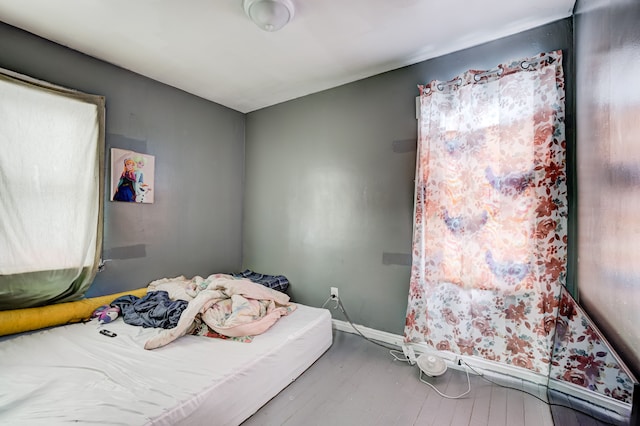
x=329 y=181
x=194 y=226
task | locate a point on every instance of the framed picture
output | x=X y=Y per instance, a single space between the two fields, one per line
x=132 y=175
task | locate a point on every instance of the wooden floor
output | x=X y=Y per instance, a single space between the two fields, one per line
x=358 y=383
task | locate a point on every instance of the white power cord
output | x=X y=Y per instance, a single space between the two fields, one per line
x=449 y=396
x=394 y=352
x=403 y=358
x=344 y=312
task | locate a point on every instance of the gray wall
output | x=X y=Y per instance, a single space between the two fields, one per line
x=195 y=225
x=328 y=195
x=329 y=201
x=608 y=133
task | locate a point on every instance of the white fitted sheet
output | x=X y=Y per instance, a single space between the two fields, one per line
x=74 y=374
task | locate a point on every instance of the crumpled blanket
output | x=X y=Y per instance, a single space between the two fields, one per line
x=230 y=306
x=155 y=309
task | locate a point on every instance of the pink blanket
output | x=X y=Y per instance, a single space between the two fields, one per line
x=230 y=306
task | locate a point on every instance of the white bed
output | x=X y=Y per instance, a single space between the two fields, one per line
x=74 y=374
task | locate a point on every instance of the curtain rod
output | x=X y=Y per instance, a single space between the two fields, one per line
x=499 y=70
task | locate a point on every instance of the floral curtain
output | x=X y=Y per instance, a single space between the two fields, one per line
x=490 y=219
x=583 y=357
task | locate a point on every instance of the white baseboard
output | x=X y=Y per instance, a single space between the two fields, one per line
x=531 y=381
x=371 y=333
x=450 y=357
x=592 y=397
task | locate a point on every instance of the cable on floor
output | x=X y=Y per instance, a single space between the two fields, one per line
x=449 y=396
x=550 y=404
x=394 y=353
x=344 y=312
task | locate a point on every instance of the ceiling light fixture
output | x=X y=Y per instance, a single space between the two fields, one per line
x=270 y=15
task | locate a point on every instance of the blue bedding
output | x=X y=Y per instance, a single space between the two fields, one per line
x=155 y=309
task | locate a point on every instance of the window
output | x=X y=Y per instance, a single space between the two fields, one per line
x=51 y=181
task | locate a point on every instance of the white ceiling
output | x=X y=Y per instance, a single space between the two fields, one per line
x=210 y=48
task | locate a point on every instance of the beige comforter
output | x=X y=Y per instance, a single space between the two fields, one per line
x=230 y=306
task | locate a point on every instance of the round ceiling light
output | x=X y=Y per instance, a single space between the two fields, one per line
x=270 y=15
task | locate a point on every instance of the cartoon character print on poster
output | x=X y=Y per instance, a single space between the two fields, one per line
x=132 y=176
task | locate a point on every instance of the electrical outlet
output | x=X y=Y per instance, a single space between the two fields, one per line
x=334 y=292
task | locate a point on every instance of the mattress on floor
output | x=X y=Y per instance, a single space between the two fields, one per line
x=74 y=374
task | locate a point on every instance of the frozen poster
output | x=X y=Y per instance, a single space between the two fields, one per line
x=132 y=176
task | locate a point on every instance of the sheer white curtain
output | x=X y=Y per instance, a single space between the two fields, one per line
x=52 y=144
x=490 y=222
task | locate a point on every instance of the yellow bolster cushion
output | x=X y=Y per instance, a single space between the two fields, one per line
x=19 y=320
